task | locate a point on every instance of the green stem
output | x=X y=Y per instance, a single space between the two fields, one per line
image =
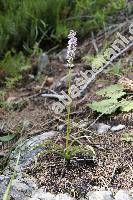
x=68 y=120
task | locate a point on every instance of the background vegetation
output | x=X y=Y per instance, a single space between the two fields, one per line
x=23 y=23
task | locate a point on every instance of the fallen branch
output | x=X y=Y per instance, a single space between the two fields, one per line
x=55 y=96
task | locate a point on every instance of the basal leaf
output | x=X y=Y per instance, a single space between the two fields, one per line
x=127 y=137
x=7 y=138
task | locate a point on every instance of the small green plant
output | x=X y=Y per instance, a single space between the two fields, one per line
x=94 y=61
x=127 y=137
x=72 y=43
x=3 y=103
x=14 y=64
x=11 y=82
x=74 y=150
x=116 y=69
x=111 y=103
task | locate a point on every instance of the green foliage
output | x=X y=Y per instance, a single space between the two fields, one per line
x=126 y=106
x=13 y=64
x=112 y=91
x=127 y=137
x=106 y=106
x=109 y=105
x=7 y=138
x=116 y=69
x=2 y=99
x=10 y=82
x=2 y=95
x=75 y=150
x=24 y=22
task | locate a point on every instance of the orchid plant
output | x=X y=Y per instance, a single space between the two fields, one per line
x=71 y=48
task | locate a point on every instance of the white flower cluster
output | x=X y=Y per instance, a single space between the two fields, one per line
x=71 y=48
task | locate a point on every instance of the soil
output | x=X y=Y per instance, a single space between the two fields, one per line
x=111 y=168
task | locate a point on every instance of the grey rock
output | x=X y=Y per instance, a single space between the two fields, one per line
x=103 y=128
x=62 y=55
x=83 y=123
x=61 y=127
x=131 y=192
x=29 y=150
x=4 y=180
x=21 y=188
x=100 y=195
x=118 y=128
x=123 y=195
x=63 y=197
x=40 y=194
x=42 y=62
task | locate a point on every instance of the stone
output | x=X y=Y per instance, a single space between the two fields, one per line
x=62 y=127
x=40 y=194
x=4 y=180
x=29 y=150
x=63 y=197
x=62 y=55
x=99 y=195
x=118 y=128
x=83 y=123
x=131 y=192
x=123 y=195
x=21 y=188
x=103 y=128
x=43 y=61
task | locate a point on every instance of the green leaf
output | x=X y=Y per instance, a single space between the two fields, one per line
x=127 y=137
x=7 y=138
x=86 y=150
x=98 y=61
x=106 y=106
x=116 y=68
x=113 y=91
x=126 y=106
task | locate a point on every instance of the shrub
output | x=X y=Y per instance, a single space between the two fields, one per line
x=23 y=22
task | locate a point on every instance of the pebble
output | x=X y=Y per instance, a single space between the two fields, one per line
x=100 y=195
x=21 y=188
x=43 y=60
x=103 y=128
x=61 y=127
x=118 y=128
x=29 y=150
x=40 y=194
x=123 y=195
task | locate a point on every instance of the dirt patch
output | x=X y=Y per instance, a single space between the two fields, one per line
x=112 y=168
